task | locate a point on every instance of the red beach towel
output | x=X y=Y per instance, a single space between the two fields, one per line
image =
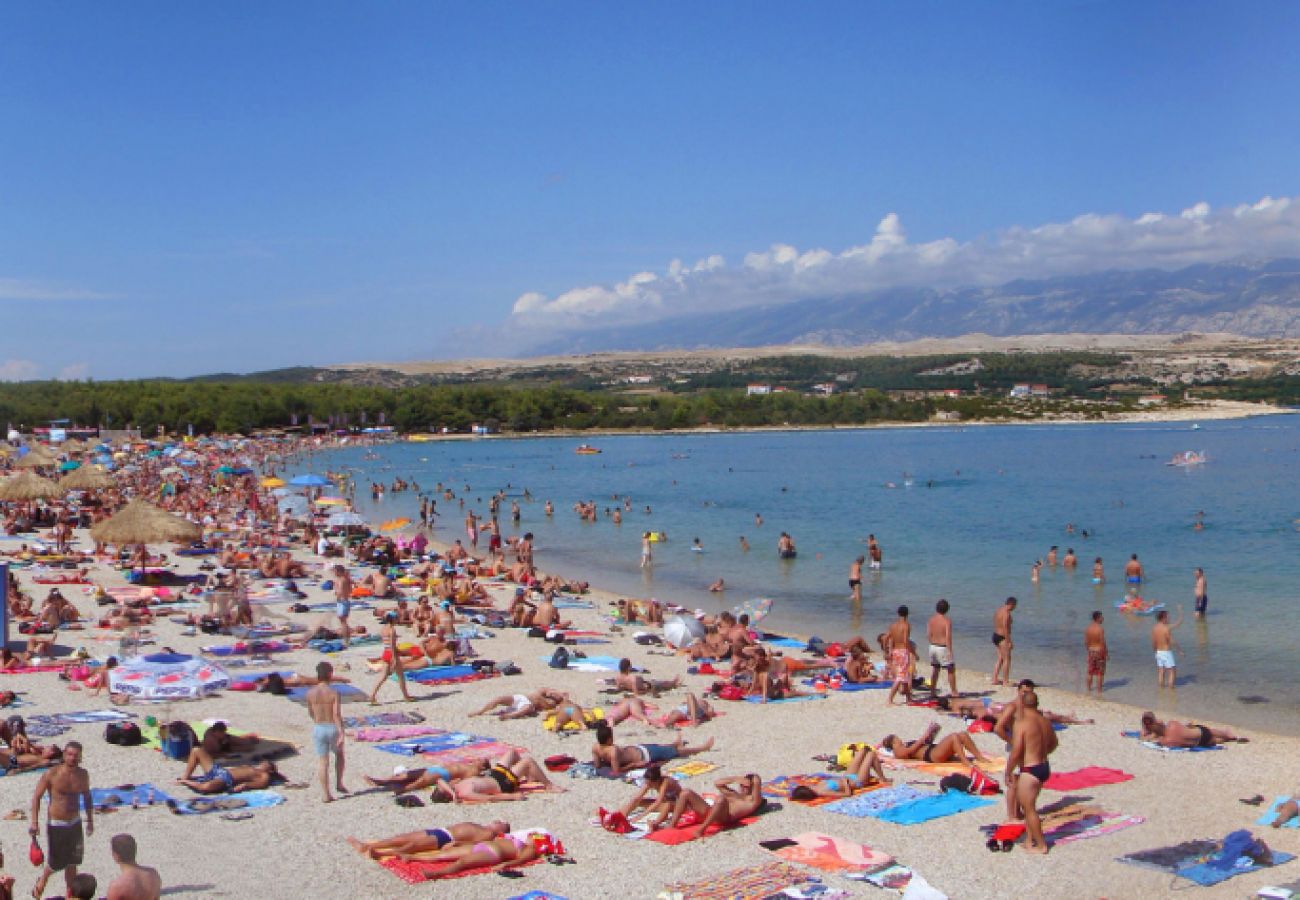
x=1091 y=776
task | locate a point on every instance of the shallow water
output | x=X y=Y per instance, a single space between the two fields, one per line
x=982 y=505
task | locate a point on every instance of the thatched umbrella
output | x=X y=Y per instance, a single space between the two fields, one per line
x=87 y=478
x=142 y=523
x=74 y=445
x=36 y=458
x=27 y=486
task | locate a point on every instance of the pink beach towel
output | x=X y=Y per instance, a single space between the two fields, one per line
x=1087 y=777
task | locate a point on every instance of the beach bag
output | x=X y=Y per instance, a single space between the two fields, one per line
x=845 y=754
x=559 y=659
x=35 y=854
x=815 y=645
x=123 y=734
x=731 y=692
x=975 y=783
x=177 y=740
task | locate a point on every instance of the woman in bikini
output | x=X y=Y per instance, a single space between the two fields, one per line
x=431 y=839
x=862 y=770
x=498 y=854
x=693 y=712
x=954 y=748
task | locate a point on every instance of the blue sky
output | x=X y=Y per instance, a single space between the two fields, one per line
x=189 y=188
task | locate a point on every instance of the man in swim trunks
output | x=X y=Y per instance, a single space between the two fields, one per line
x=1176 y=734
x=68 y=787
x=1201 y=595
x=412 y=780
x=1162 y=642
x=874 y=552
x=343 y=601
x=1133 y=570
x=622 y=759
x=518 y=706
x=325 y=708
x=1032 y=742
x=1002 y=641
x=218 y=779
x=730 y=807
x=1094 y=642
x=412 y=842
x=898 y=650
x=938 y=632
x=633 y=683
x=501 y=779
x=855 y=579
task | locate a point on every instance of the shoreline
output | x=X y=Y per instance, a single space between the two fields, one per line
x=1211 y=411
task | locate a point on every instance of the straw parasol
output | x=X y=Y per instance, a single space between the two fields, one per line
x=74 y=445
x=87 y=478
x=28 y=486
x=36 y=458
x=141 y=523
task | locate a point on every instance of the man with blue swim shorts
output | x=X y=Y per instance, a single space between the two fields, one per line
x=343 y=600
x=1133 y=570
x=326 y=710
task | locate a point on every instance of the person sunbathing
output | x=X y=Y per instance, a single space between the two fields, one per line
x=628 y=708
x=633 y=683
x=956 y=747
x=217 y=779
x=218 y=741
x=31 y=757
x=501 y=780
x=621 y=759
x=712 y=646
x=518 y=706
x=13 y=659
x=730 y=807
x=412 y=780
x=982 y=708
x=1286 y=811
x=547 y=616
x=413 y=842
x=497 y=855
x=666 y=793
x=864 y=769
x=858 y=668
x=1176 y=734
x=438 y=651
x=694 y=711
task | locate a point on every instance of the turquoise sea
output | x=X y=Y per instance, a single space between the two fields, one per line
x=961 y=513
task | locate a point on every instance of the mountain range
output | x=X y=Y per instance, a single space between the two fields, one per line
x=1252 y=298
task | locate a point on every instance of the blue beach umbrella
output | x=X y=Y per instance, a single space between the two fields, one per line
x=310 y=481
x=69 y=465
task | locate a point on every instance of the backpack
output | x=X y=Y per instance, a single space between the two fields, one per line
x=124 y=734
x=976 y=783
x=560 y=658
x=177 y=740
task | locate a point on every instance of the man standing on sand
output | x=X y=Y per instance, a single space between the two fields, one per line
x=1133 y=570
x=898 y=646
x=938 y=632
x=1202 y=597
x=343 y=601
x=1003 y=728
x=326 y=710
x=69 y=788
x=1032 y=741
x=134 y=881
x=1002 y=641
x=855 y=579
x=1094 y=641
x=1162 y=642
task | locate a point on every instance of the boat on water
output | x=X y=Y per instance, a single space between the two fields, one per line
x=587 y=450
x=1188 y=458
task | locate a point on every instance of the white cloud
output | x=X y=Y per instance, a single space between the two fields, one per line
x=34 y=290
x=18 y=370
x=74 y=371
x=783 y=273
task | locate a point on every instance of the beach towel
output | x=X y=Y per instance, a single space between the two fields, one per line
x=34 y=670
x=537 y=895
x=682 y=834
x=690 y=768
x=753 y=698
x=933 y=806
x=435 y=743
x=197 y=806
x=376 y=720
x=470 y=753
x=348 y=693
x=445 y=675
x=827 y=852
x=1152 y=745
x=1089 y=776
x=335 y=645
x=869 y=804
x=133 y=795
x=1268 y=817
x=589 y=664
x=370 y=735
x=748 y=883
x=247 y=648
x=1071 y=822
x=1204 y=862
x=416 y=871
x=993 y=765
x=85 y=717
x=848 y=687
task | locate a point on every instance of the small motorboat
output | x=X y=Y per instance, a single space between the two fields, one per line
x=587 y=450
x=1187 y=458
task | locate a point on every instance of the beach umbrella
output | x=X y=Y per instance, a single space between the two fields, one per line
x=36 y=458
x=272 y=482
x=345 y=519
x=171 y=470
x=394 y=524
x=225 y=470
x=69 y=465
x=756 y=609
x=74 y=445
x=29 y=486
x=310 y=481
x=143 y=523
x=87 y=478
x=295 y=504
x=681 y=631
x=331 y=501
x=167 y=676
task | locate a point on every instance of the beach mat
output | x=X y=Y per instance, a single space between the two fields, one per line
x=748 y=883
x=445 y=675
x=930 y=807
x=783 y=786
x=435 y=743
x=348 y=693
x=672 y=837
x=690 y=768
x=798 y=698
x=589 y=663
x=133 y=795
x=383 y=719
x=1203 y=862
x=1152 y=745
x=827 y=852
x=1268 y=817
x=993 y=765
x=389 y=733
x=417 y=872
x=471 y=753
x=84 y=717
x=198 y=806
x=1089 y=776
x=1071 y=822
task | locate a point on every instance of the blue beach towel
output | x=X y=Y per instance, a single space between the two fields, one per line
x=434 y=674
x=136 y=795
x=348 y=693
x=435 y=743
x=874 y=802
x=1268 y=817
x=197 y=806
x=753 y=698
x=934 y=806
x=1152 y=745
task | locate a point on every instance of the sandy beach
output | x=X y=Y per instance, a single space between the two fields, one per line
x=299 y=848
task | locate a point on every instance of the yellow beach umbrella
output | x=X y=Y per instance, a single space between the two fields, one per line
x=394 y=524
x=331 y=501
x=272 y=482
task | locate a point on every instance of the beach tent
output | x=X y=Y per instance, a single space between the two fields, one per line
x=682 y=631
x=167 y=676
